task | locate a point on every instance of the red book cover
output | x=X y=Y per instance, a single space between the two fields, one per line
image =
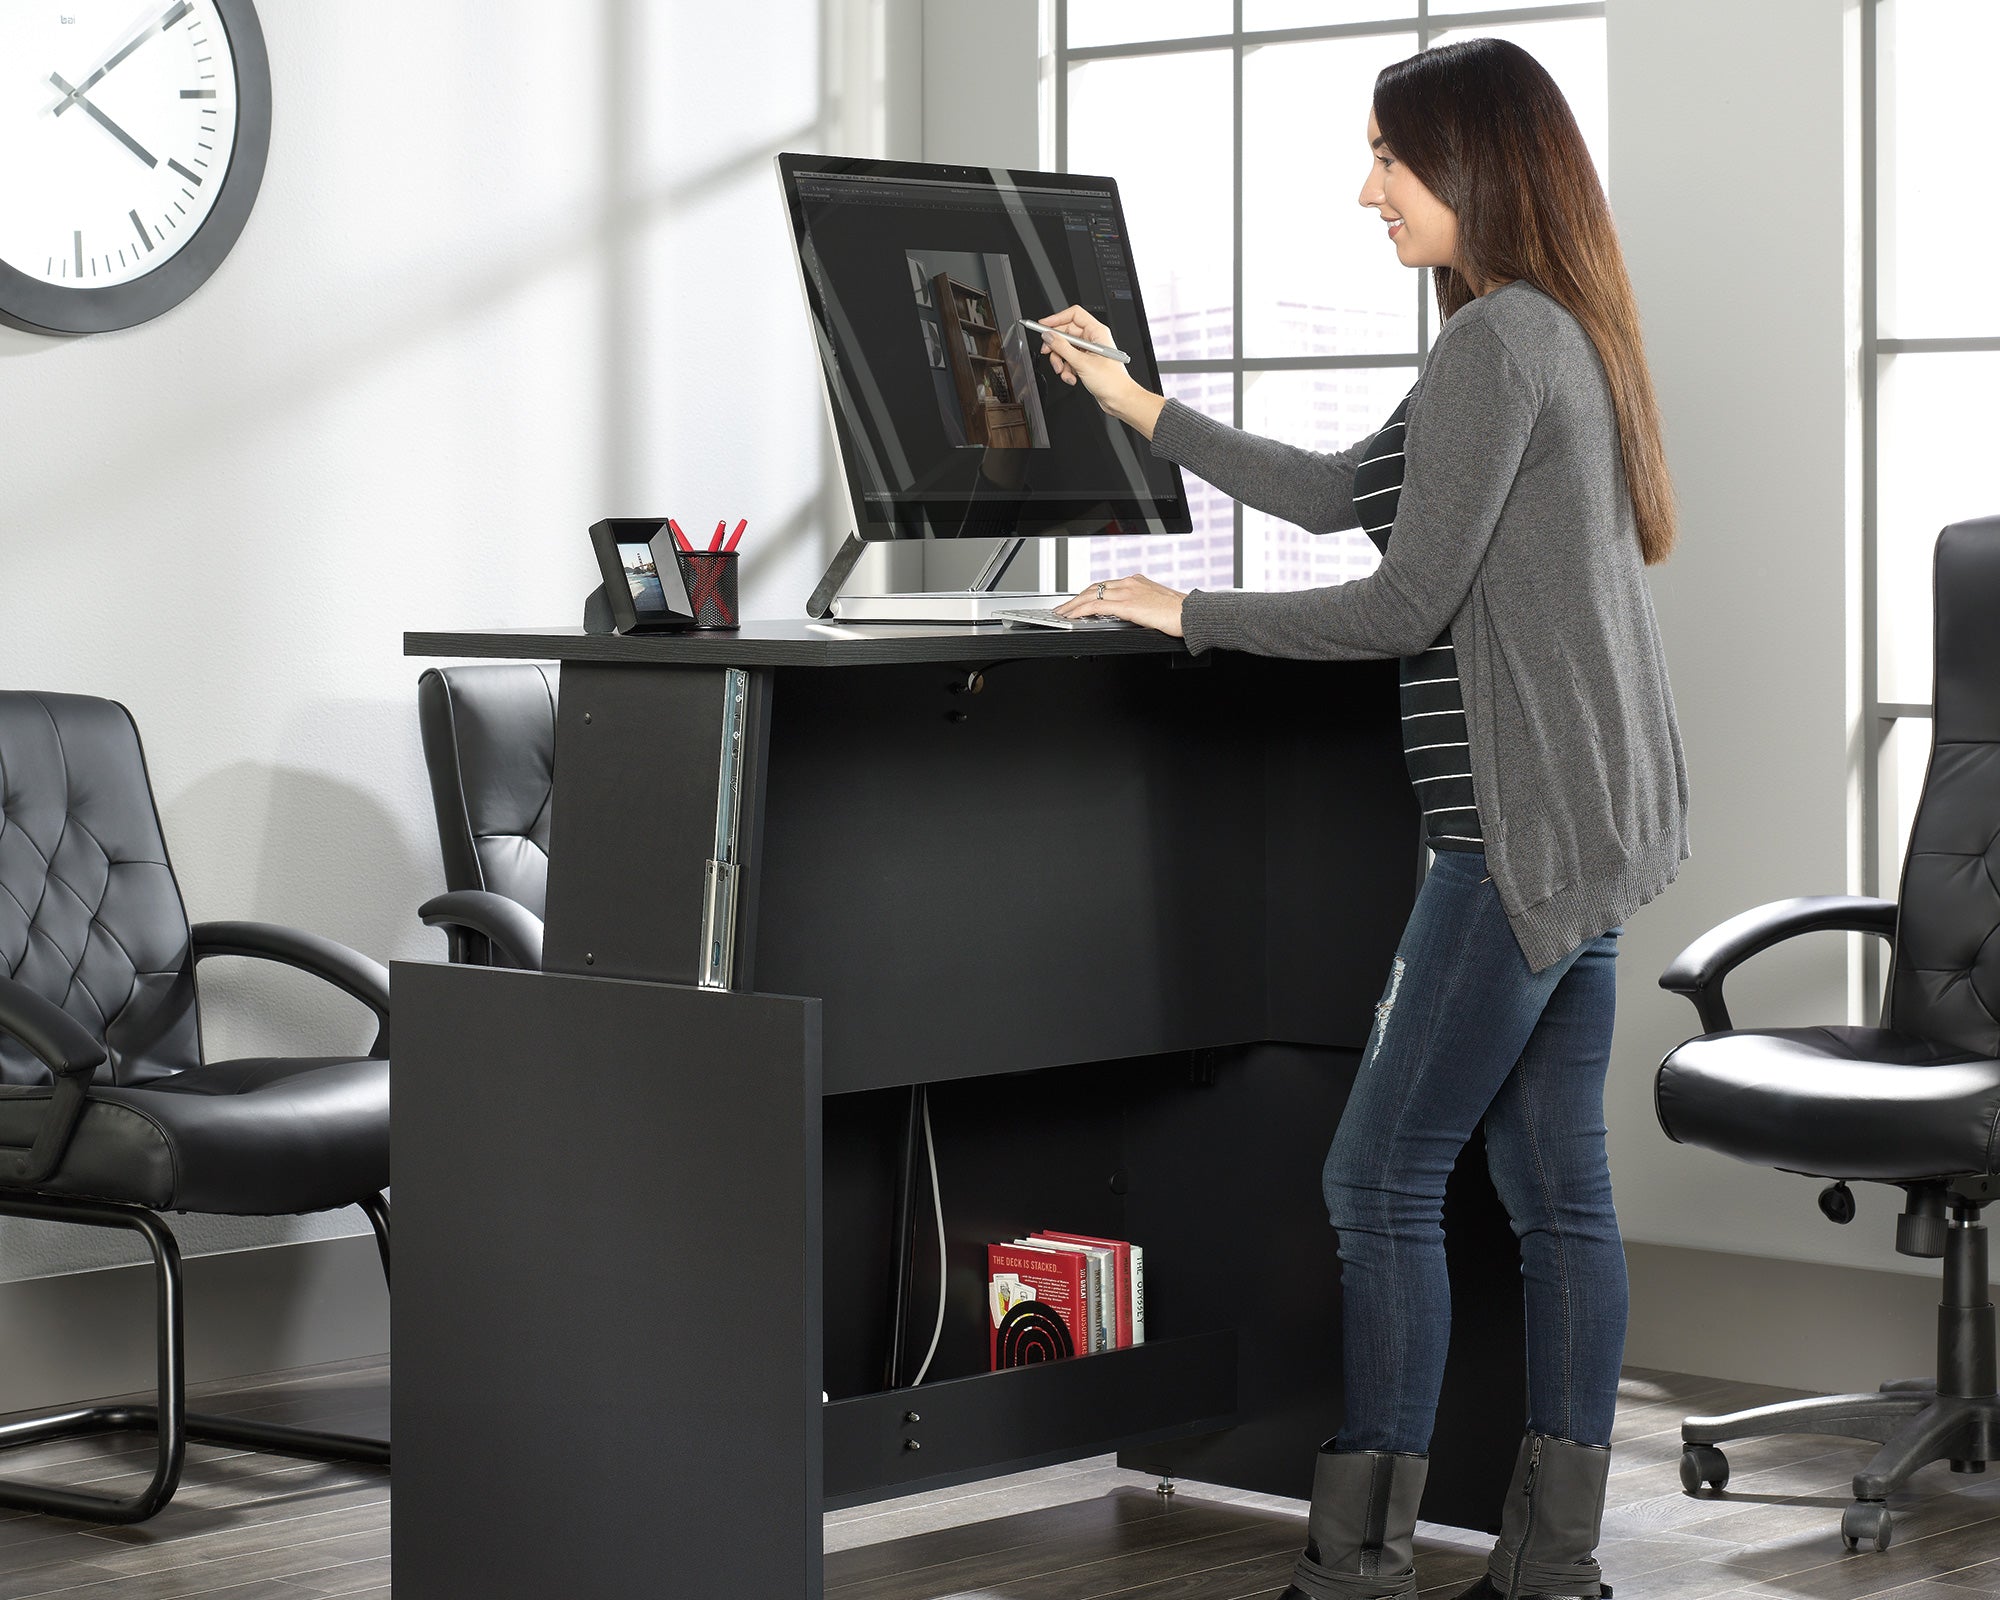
x=1122 y=1254
x=1036 y=1301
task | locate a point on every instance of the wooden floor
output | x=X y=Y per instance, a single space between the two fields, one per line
x=242 y=1527
x=247 y=1527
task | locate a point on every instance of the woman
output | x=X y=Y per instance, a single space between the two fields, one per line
x=1517 y=493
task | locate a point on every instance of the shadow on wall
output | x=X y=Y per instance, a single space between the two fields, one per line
x=777 y=540
x=286 y=387
x=309 y=844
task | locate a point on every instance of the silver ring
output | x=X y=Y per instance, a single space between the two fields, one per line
x=1100 y=591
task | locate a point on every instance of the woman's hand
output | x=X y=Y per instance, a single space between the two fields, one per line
x=1111 y=384
x=1137 y=599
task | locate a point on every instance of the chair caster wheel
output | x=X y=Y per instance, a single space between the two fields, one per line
x=1703 y=1464
x=1866 y=1522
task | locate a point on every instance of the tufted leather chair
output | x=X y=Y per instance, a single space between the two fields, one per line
x=108 y=1113
x=1915 y=1102
x=490 y=742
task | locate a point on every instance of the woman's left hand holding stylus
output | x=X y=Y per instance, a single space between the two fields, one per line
x=1137 y=599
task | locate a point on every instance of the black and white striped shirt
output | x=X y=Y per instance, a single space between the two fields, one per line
x=1434 y=740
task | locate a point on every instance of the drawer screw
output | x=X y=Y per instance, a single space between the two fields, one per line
x=911 y=1417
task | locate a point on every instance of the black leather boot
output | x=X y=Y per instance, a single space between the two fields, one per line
x=1361 y=1536
x=1550 y=1525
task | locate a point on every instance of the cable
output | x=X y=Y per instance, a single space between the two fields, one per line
x=937 y=1207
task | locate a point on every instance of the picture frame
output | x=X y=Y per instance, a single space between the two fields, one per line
x=643 y=586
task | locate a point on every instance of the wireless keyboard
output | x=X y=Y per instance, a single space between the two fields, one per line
x=1051 y=619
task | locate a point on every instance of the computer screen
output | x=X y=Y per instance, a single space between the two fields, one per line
x=948 y=418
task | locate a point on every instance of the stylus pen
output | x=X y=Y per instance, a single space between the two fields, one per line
x=1082 y=344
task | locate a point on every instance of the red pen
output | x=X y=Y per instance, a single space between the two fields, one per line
x=736 y=535
x=680 y=538
x=715 y=538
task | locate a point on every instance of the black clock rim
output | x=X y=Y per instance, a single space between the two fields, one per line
x=39 y=307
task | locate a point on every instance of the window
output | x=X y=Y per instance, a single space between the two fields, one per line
x=1930 y=365
x=1235 y=130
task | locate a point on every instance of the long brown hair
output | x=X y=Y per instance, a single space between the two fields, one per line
x=1482 y=125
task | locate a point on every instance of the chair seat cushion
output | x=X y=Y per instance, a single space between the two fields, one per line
x=256 y=1137
x=1834 y=1102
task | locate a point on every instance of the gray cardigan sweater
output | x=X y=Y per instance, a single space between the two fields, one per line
x=1515 y=530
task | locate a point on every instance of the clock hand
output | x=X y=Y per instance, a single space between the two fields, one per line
x=105 y=122
x=179 y=9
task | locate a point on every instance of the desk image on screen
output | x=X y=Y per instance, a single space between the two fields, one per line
x=981 y=360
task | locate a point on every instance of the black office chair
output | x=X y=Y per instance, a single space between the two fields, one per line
x=1914 y=1102
x=108 y=1113
x=490 y=742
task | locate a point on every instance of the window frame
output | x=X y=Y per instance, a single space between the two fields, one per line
x=1883 y=843
x=1418 y=20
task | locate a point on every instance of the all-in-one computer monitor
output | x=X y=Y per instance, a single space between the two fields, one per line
x=947 y=420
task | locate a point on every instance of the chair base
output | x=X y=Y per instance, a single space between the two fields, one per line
x=167 y=1419
x=1914 y=1426
x=1910 y=1418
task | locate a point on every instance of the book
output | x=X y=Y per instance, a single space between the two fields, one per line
x=1131 y=1292
x=1036 y=1297
x=1100 y=1286
x=1138 y=1294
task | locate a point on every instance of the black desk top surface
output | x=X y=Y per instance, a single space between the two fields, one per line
x=793 y=644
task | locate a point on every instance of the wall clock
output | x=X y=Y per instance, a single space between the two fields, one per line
x=132 y=142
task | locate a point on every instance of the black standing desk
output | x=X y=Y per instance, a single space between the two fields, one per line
x=1126 y=912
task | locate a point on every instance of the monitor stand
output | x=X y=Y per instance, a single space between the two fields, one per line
x=977 y=602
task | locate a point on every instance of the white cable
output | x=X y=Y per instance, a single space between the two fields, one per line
x=937 y=1207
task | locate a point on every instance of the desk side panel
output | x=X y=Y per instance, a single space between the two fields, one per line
x=607 y=1303
x=638 y=749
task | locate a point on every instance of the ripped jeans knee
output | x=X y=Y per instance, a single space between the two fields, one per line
x=1384 y=1010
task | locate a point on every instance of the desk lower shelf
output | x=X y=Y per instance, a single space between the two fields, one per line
x=1027 y=1417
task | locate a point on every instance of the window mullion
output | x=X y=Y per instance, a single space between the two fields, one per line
x=1236 y=272
x=1873 y=728
x=1062 y=165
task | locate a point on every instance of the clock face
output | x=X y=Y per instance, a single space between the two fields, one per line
x=125 y=125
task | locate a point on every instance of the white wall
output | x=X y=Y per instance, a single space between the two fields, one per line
x=506 y=277
x=513 y=269
x=1732 y=133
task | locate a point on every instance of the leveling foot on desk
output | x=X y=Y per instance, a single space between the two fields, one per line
x=1361 y=1533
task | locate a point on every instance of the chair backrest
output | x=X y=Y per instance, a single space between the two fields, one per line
x=490 y=742
x=90 y=915
x=1944 y=983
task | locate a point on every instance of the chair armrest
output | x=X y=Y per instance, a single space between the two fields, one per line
x=347 y=970
x=510 y=927
x=67 y=1049
x=63 y=1045
x=1698 y=971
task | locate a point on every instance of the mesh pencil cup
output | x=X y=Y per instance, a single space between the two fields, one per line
x=710 y=576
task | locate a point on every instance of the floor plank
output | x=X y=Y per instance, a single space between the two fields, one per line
x=248 y=1526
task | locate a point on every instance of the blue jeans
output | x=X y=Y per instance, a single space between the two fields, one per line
x=1465 y=1033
